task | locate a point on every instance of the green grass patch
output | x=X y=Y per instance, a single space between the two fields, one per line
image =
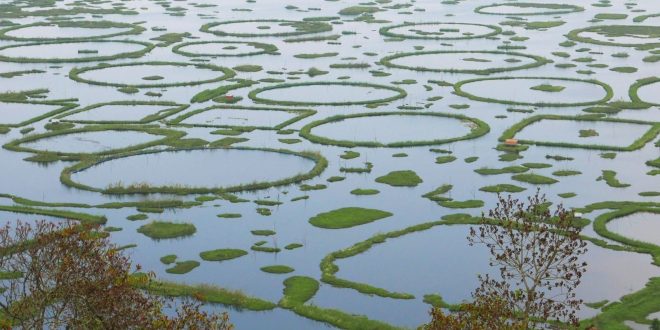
x=548 y=88
x=406 y=178
x=222 y=254
x=533 y=178
x=277 y=269
x=466 y=204
x=168 y=259
x=444 y=159
x=205 y=293
x=347 y=217
x=611 y=180
x=503 y=187
x=363 y=192
x=164 y=230
x=503 y=170
x=229 y=215
x=183 y=267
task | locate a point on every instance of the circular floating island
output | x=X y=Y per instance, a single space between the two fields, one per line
x=535 y=91
x=194 y=170
x=93 y=140
x=618 y=35
x=476 y=62
x=74 y=51
x=265 y=28
x=223 y=48
x=440 y=31
x=385 y=129
x=646 y=91
x=150 y=74
x=326 y=93
x=527 y=9
x=69 y=31
x=639 y=226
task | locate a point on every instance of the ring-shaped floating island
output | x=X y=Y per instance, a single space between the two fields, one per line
x=527 y=9
x=646 y=134
x=444 y=31
x=263 y=29
x=643 y=84
x=77 y=51
x=255 y=48
x=606 y=35
x=551 y=87
x=122 y=112
x=109 y=131
x=625 y=210
x=422 y=61
x=57 y=30
x=318 y=162
x=208 y=73
x=320 y=89
x=475 y=127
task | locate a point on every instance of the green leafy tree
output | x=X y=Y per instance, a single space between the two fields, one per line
x=538 y=255
x=67 y=276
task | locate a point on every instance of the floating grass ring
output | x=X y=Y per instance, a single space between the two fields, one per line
x=166 y=109
x=320 y=163
x=441 y=33
x=634 y=90
x=477 y=128
x=260 y=48
x=146 y=47
x=459 y=90
x=650 y=32
x=167 y=135
x=98 y=25
x=399 y=93
x=600 y=226
x=389 y=61
x=649 y=135
x=545 y=9
x=299 y=28
x=75 y=74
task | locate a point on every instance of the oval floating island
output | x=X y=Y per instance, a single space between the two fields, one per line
x=646 y=36
x=194 y=171
x=440 y=31
x=326 y=93
x=74 y=51
x=223 y=48
x=69 y=31
x=94 y=140
x=476 y=62
x=265 y=28
x=385 y=129
x=527 y=9
x=150 y=74
x=535 y=91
